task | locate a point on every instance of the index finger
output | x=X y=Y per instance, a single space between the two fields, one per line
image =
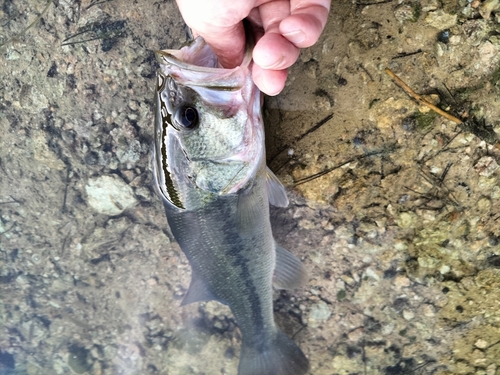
x=220 y=25
x=228 y=43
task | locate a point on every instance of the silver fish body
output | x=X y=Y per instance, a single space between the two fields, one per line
x=210 y=171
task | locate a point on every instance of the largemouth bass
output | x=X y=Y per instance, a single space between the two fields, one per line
x=210 y=171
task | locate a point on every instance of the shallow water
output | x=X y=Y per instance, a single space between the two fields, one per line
x=400 y=235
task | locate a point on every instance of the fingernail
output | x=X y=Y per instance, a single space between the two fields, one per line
x=272 y=93
x=295 y=37
x=269 y=90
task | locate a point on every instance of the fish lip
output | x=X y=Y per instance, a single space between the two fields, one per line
x=163 y=56
x=169 y=56
x=188 y=73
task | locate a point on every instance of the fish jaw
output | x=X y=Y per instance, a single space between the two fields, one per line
x=197 y=65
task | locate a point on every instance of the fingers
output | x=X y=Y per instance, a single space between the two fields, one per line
x=228 y=44
x=299 y=21
x=275 y=52
x=304 y=26
x=289 y=26
x=270 y=82
x=219 y=25
x=306 y=22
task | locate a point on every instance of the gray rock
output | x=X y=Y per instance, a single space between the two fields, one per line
x=109 y=195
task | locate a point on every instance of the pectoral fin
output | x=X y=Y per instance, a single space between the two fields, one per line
x=197 y=292
x=249 y=210
x=275 y=190
x=289 y=272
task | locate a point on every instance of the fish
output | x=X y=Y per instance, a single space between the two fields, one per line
x=210 y=171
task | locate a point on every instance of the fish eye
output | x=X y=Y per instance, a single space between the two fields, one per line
x=187 y=116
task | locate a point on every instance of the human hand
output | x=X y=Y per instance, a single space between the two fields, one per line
x=282 y=27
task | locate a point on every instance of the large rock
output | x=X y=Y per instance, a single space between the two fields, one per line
x=109 y=195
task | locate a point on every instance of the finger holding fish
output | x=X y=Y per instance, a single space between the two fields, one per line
x=281 y=28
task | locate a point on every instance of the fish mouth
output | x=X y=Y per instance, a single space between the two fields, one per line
x=197 y=65
x=196 y=56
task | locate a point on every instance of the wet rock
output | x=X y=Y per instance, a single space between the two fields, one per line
x=109 y=195
x=319 y=313
x=441 y=20
x=406 y=12
x=7 y=362
x=131 y=153
x=78 y=359
x=488 y=7
x=370 y=38
x=486 y=166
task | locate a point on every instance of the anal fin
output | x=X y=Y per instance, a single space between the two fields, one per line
x=197 y=292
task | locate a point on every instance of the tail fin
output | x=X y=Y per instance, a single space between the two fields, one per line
x=281 y=357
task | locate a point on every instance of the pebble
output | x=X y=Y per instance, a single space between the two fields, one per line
x=408 y=314
x=13 y=55
x=481 y=344
x=428 y=310
x=404 y=13
x=486 y=166
x=441 y=20
x=444 y=269
x=402 y=281
x=355 y=335
x=484 y=205
x=109 y=195
x=372 y=274
x=320 y=312
x=407 y=220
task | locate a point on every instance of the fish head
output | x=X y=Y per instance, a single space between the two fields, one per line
x=209 y=133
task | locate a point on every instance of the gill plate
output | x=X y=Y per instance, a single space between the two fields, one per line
x=164 y=182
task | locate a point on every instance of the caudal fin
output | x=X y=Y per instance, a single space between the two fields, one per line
x=281 y=357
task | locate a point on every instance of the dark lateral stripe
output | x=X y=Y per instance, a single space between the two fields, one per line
x=240 y=262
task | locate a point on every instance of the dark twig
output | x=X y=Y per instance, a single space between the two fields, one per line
x=315 y=127
x=318 y=125
x=406 y=54
x=312 y=177
x=374 y=3
x=367 y=72
x=92 y=3
x=63 y=209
